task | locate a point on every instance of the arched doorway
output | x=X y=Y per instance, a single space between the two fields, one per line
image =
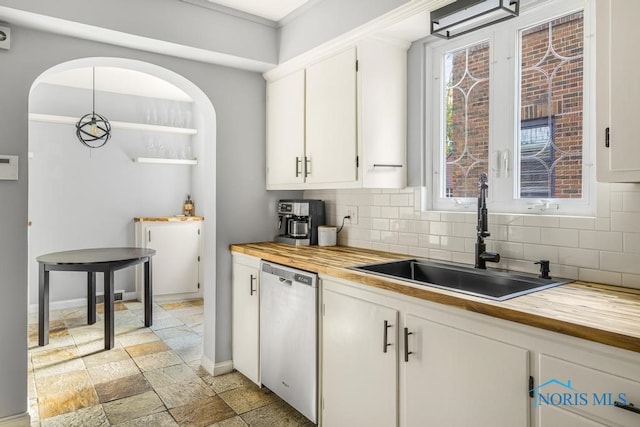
x=104 y=180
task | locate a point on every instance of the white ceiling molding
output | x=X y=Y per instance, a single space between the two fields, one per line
x=117 y=38
x=406 y=23
x=207 y=4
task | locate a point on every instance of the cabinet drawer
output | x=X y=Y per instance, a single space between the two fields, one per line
x=586 y=390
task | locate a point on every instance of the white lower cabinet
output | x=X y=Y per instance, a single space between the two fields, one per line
x=359 y=360
x=455 y=378
x=176 y=264
x=448 y=377
x=586 y=395
x=246 y=316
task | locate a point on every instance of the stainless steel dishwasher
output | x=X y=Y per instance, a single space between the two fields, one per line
x=288 y=336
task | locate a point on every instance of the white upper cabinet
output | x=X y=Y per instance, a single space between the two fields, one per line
x=331 y=137
x=285 y=130
x=618 y=88
x=341 y=121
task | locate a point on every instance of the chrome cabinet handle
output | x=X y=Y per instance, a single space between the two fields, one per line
x=406 y=344
x=298 y=161
x=307 y=166
x=251 y=290
x=629 y=407
x=384 y=165
x=385 y=336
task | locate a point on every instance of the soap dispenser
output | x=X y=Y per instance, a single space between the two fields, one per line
x=188 y=209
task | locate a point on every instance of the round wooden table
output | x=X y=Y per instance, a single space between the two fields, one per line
x=92 y=261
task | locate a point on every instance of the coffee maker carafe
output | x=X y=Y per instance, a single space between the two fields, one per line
x=298 y=221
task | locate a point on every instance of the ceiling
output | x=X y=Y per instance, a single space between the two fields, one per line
x=119 y=80
x=273 y=10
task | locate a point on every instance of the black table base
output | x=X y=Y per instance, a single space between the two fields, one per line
x=106 y=261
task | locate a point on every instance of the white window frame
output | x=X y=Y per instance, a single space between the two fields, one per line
x=504 y=39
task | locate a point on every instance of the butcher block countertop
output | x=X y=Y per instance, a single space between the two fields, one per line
x=180 y=218
x=606 y=314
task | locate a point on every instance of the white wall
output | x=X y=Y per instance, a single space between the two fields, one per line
x=82 y=198
x=239 y=99
x=325 y=20
x=172 y=21
x=602 y=249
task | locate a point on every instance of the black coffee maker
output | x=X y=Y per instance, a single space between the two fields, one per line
x=298 y=221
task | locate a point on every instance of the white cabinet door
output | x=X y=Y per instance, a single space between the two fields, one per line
x=457 y=379
x=285 y=130
x=359 y=373
x=246 y=316
x=555 y=416
x=331 y=138
x=618 y=88
x=383 y=113
x=176 y=263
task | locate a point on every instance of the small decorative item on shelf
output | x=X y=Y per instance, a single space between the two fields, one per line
x=188 y=209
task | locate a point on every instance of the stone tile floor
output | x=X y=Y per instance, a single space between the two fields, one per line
x=152 y=377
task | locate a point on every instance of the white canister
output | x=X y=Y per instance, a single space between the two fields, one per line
x=327 y=235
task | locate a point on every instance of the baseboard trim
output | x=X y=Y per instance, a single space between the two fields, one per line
x=20 y=420
x=216 y=369
x=222 y=368
x=79 y=302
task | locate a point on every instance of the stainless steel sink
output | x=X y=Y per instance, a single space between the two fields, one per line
x=495 y=285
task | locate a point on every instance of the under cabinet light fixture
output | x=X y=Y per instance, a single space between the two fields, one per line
x=464 y=16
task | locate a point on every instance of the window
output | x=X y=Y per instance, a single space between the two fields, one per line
x=513 y=102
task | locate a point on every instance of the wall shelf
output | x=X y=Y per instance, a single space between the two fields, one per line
x=50 y=118
x=165 y=161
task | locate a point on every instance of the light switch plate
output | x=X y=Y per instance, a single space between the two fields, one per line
x=5 y=37
x=9 y=168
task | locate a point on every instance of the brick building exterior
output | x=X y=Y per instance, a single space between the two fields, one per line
x=551 y=104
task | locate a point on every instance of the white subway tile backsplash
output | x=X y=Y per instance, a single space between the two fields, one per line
x=608 y=241
x=431 y=216
x=631 y=280
x=380 y=224
x=429 y=241
x=408 y=239
x=632 y=243
x=603 y=224
x=389 y=212
x=509 y=249
x=538 y=252
x=463 y=257
x=622 y=262
x=418 y=252
x=441 y=228
x=464 y=229
x=516 y=233
x=599 y=276
x=602 y=249
x=400 y=200
x=625 y=221
x=389 y=237
x=440 y=254
x=452 y=243
x=631 y=201
x=615 y=199
x=541 y=221
x=560 y=237
x=603 y=200
x=453 y=217
x=381 y=199
x=578 y=222
x=579 y=257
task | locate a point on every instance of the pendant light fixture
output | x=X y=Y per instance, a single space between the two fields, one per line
x=464 y=16
x=93 y=130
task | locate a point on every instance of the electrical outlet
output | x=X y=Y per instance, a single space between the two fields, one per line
x=352 y=211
